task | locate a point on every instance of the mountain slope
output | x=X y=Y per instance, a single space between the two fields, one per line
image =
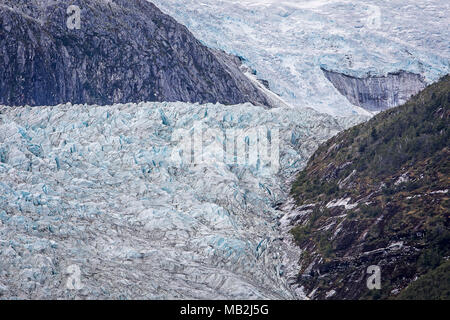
x=377 y=194
x=287 y=42
x=125 y=51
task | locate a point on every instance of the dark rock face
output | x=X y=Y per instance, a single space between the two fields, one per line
x=125 y=51
x=377 y=93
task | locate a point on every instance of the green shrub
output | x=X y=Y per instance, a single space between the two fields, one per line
x=434 y=285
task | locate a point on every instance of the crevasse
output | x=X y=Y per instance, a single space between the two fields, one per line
x=95 y=187
x=287 y=42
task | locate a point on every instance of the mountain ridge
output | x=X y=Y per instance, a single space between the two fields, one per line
x=377 y=194
x=125 y=51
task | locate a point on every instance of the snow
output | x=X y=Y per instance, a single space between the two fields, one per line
x=430 y=193
x=287 y=42
x=330 y=293
x=402 y=179
x=439 y=191
x=342 y=202
x=99 y=187
x=395 y=246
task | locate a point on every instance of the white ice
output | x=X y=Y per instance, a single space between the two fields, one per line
x=96 y=187
x=287 y=42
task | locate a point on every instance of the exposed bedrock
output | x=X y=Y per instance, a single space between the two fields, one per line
x=377 y=93
x=124 y=51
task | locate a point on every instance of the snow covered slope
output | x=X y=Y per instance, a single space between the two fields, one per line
x=101 y=190
x=287 y=42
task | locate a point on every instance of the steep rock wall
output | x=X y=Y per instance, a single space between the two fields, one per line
x=124 y=51
x=377 y=93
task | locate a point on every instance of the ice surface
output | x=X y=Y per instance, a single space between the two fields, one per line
x=97 y=187
x=100 y=187
x=287 y=42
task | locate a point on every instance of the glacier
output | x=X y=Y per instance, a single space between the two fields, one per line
x=288 y=42
x=95 y=205
x=95 y=189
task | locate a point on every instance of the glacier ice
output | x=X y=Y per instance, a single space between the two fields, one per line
x=100 y=189
x=95 y=187
x=287 y=42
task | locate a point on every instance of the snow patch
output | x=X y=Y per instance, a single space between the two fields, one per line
x=342 y=202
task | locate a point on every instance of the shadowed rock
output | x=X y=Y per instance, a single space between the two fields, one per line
x=377 y=93
x=125 y=51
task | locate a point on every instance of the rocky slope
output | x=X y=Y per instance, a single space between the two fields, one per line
x=377 y=194
x=288 y=41
x=125 y=51
x=377 y=93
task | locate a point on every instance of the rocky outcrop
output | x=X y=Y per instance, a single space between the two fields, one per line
x=124 y=51
x=377 y=195
x=377 y=93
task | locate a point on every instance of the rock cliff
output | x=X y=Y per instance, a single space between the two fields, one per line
x=377 y=93
x=124 y=51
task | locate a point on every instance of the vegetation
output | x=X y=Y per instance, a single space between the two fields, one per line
x=380 y=148
x=394 y=170
x=435 y=285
